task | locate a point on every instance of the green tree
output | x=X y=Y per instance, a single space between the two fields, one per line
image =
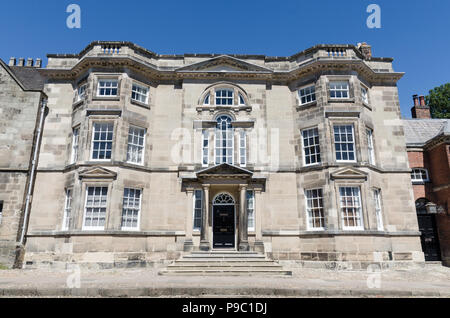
x=439 y=101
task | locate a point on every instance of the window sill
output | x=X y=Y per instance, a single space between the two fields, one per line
x=78 y=103
x=140 y=104
x=106 y=98
x=367 y=105
x=341 y=100
x=306 y=106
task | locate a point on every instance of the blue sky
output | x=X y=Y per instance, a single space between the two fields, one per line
x=415 y=33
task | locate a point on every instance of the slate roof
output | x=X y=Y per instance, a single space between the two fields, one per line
x=420 y=131
x=30 y=77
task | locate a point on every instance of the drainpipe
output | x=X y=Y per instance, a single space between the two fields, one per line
x=33 y=172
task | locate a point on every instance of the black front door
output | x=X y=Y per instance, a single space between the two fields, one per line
x=223 y=226
x=429 y=238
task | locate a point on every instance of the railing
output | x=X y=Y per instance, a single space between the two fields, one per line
x=337 y=52
x=111 y=49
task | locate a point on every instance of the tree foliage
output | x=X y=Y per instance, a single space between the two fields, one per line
x=439 y=101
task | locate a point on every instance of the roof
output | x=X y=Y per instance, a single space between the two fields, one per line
x=418 y=132
x=30 y=77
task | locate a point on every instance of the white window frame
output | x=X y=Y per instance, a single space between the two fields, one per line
x=346 y=143
x=195 y=210
x=339 y=90
x=230 y=136
x=75 y=144
x=127 y=208
x=105 y=206
x=365 y=95
x=205 y=148
x=136 y=146
x=370 y=146
x=241 y=100
x=81 y=92
x=418 y=172
x=378 y=209
x=112 y=87
x=315 y=155
x=251 y=217
x=315 y=209
x=93 y=141
x=224 y=97
x=207 y=100
x=242 y=148
x=358 y=216
x=67 y=216
x=139 y=93
x=306 y=92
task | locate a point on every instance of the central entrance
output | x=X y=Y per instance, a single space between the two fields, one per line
x=224 y=221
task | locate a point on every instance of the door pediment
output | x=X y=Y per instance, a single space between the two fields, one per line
x=224 y=170
x=97 y=173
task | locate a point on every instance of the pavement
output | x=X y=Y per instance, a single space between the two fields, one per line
x=428 y=281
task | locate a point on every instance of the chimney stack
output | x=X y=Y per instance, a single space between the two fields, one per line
x=12 y=61
x=420 y=109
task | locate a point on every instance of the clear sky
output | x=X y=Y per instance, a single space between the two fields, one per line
x=415 y=33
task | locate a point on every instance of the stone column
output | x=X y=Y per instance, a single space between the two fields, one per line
x=204 y=237
x=258 y=210
x=188 y=242
x=243 y=220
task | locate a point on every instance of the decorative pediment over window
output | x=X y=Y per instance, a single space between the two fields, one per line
x=97 y=173
x=225 y=170
x=224 y=63
x=348 y=173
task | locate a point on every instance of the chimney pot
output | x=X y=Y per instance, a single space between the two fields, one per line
x=366 y=50
x=30 y=62
x=21 y=62
x=416 y=100
x=422 y=100
x=38 y=63
x=12 y=61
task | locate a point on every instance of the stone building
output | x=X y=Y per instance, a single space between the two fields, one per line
x=21 y=98
x=428 y=144
x=147 y=157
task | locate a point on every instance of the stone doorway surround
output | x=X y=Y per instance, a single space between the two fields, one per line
x=223 y=178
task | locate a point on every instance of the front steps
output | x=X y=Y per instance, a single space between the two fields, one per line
x=225 y=263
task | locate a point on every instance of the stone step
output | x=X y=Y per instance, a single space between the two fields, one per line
x=227 y=272
x=223 y=267
x=237 y=262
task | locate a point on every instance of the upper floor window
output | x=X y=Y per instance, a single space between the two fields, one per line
x=108 y=87
x=419 y=175
x=224 y=140
x=75 y=142
x=131 y=209
x=242 y=149
x=378 y=210
x=241 y=100
x=339 y=90
x=311 y=146
x=205 y=148
x=139 y=94
x=364 y=95
x=344 y=140
x=307 y=95
x=224 y=97
x=370 y=147
x=136 y=145
x=102 y=139
x=95 y=208
x=81 y=92
x=206 y=101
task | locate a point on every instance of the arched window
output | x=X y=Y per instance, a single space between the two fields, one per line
x=223 y=199
x=224 y=140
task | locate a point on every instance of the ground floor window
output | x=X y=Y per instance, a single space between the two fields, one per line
x=351 y=209
x=95 y=208
x=198 y=203
x=67 y=220
x=131 y=209
x=251 y=210
x=314 y=206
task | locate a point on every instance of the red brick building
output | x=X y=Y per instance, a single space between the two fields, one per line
x=428 y=143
